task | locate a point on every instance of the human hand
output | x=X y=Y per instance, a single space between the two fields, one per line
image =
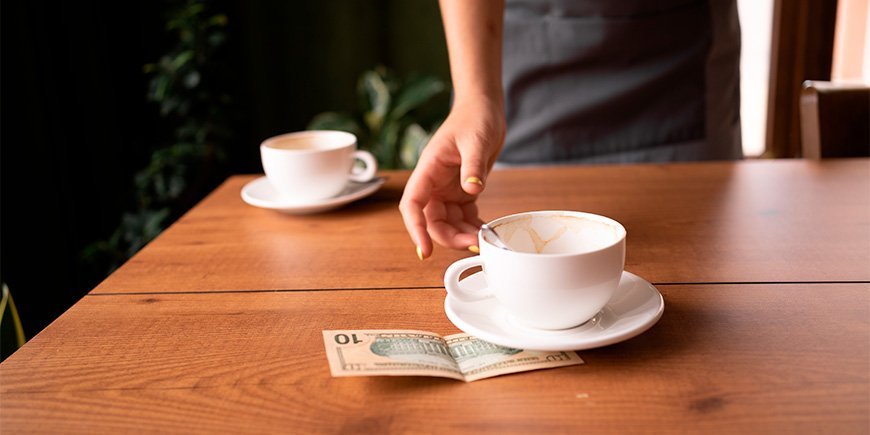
x=439 y=200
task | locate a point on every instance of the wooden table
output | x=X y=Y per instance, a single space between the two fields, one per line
x=216 y=325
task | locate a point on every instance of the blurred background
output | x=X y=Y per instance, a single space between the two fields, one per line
x=119 y=116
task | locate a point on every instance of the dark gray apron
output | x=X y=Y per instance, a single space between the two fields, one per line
x=610 y=81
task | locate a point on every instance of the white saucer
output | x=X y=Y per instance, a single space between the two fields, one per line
x=260 y=193
x=635 y=307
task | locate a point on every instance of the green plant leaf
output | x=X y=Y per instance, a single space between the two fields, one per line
x=387 y=148
x=182 y=58
x=11 y=331
x=413 y=140
x=160 y=85
x=415 y=93
x=385 y=120
x=218 y=20
x=191 y=79
x=335 y=121
x=141 y=227
x=377 y=95
x=192 y=101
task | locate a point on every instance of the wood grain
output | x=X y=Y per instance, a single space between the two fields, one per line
x=753 y=221
x=723 y=359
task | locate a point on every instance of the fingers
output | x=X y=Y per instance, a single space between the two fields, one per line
x=450 y=236
x=451 y=225
x=448 y=226
x=470 y=215
x=456 y=217
x=473 y=222
x=414 y=200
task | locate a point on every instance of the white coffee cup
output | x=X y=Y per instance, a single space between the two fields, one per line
x=561 y=270
x=314 y=165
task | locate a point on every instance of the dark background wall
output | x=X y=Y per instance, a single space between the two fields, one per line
x=75 y=126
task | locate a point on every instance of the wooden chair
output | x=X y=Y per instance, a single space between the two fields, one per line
x=835 y=120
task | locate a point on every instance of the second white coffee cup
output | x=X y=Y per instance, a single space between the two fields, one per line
x=561 y=270
x=314 y=165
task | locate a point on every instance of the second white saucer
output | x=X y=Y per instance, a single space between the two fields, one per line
x=260 y=193
x=634 y=308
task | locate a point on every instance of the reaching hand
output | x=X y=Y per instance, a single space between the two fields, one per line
x=439 y=200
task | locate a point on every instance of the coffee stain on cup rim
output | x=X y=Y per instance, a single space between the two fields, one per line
x=508 y=226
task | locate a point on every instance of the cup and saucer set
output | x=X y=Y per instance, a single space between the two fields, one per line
x=311 y=172
x=556 y=283
x=551 y=280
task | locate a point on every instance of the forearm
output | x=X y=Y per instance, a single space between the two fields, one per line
x=474 y=40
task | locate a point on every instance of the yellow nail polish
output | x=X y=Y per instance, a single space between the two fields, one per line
x=419 y=253
x=474 y=248
x=474 y=180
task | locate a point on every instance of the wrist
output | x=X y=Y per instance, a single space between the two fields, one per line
x=491 y=100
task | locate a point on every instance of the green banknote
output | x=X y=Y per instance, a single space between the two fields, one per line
x=422 y=353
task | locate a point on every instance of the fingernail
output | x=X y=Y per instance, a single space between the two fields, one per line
x=419 y=253
x=474 y=180
x=474 y=248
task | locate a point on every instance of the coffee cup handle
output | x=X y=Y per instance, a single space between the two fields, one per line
x=453 y=285
x=371 y=167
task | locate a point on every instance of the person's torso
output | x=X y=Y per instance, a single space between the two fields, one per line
x=610 y=80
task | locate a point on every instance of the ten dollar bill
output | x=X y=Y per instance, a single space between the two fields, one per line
x=422 y=353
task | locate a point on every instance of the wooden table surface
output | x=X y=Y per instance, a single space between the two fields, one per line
x=216 y=326
x=723 y=357
x=766 y=221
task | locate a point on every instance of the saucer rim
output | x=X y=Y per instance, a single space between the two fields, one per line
x=369 y=188
x=568 y=344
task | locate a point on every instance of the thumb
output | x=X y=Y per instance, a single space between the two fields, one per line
x=474 y=167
